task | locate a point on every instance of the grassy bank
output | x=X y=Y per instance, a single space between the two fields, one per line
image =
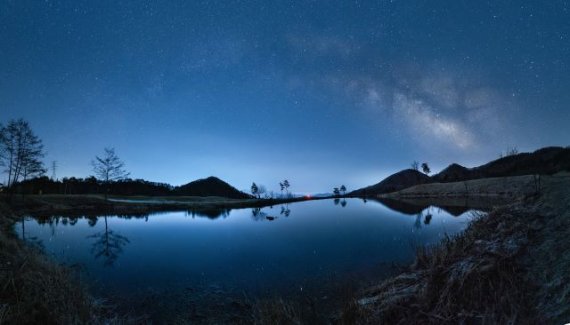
x=509 y=266
x=34 y=289
x=515 y=186
x=97 y=205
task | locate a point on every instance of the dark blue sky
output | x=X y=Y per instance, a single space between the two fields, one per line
x=319 y=92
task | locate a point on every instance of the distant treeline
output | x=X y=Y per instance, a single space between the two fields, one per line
x=92 y=185
x=211 y=186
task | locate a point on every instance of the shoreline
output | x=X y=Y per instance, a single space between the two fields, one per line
x=41 y=205
x=508 y=241
x=506 y=267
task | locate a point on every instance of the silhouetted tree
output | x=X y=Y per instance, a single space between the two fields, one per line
x=426 y=169
x=343 y=189
x=109 y=168
x=510 y=152
x=336 y=191
x=254 y=189
x=415 y=165
x=282 y=188
x=20 y=152
x=286 y=186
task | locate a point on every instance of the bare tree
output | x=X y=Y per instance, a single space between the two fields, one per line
x=415 y=165
x=261 y=190
x=511 y=151
x=343 y=189
x=286 y=186
x=20 y=152
x=109 y=168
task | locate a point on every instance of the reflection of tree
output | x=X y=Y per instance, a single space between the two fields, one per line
x=257 y=214
x=418 y=222
x=108 y=245
x=285 y=210
x=32 y=240
x=92 y=221
x=427 y=219
x=342 y=202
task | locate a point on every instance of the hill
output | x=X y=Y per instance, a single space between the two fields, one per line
x=545 y=161
x=395 y=182
x=211 y=186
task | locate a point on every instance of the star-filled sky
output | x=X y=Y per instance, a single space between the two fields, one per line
x=322 y=93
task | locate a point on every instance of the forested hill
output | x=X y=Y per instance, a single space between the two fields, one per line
x=211 y=186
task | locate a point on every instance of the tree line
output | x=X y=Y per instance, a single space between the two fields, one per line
x=22 y=151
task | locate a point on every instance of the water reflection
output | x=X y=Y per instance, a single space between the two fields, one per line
x=309 y=244
x=342 y=202
x=285 y=210
x=108 y=245
x=453 y=206
x=212 y=213
x=261 y=214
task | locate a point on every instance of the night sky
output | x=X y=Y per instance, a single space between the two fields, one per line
x=322 y=93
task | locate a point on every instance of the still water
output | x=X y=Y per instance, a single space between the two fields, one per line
x=280 y=250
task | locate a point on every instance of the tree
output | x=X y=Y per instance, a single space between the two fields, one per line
x=336 y=191
x=286 y=186
x=415 y=165
x=282 y=188
x=343 y=189
x=20 y=152
x=426 y=169
x=109 y=168
x=254 y=189
x=261 y=190
x=511 y=151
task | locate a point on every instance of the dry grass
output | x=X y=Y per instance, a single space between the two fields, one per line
x=35 y=290
x=475 y=277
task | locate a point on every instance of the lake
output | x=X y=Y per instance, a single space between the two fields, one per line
x=151 y=263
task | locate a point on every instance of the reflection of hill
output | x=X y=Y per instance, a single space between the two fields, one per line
x=210 y=213
x=401 y=206
x=453 y=206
